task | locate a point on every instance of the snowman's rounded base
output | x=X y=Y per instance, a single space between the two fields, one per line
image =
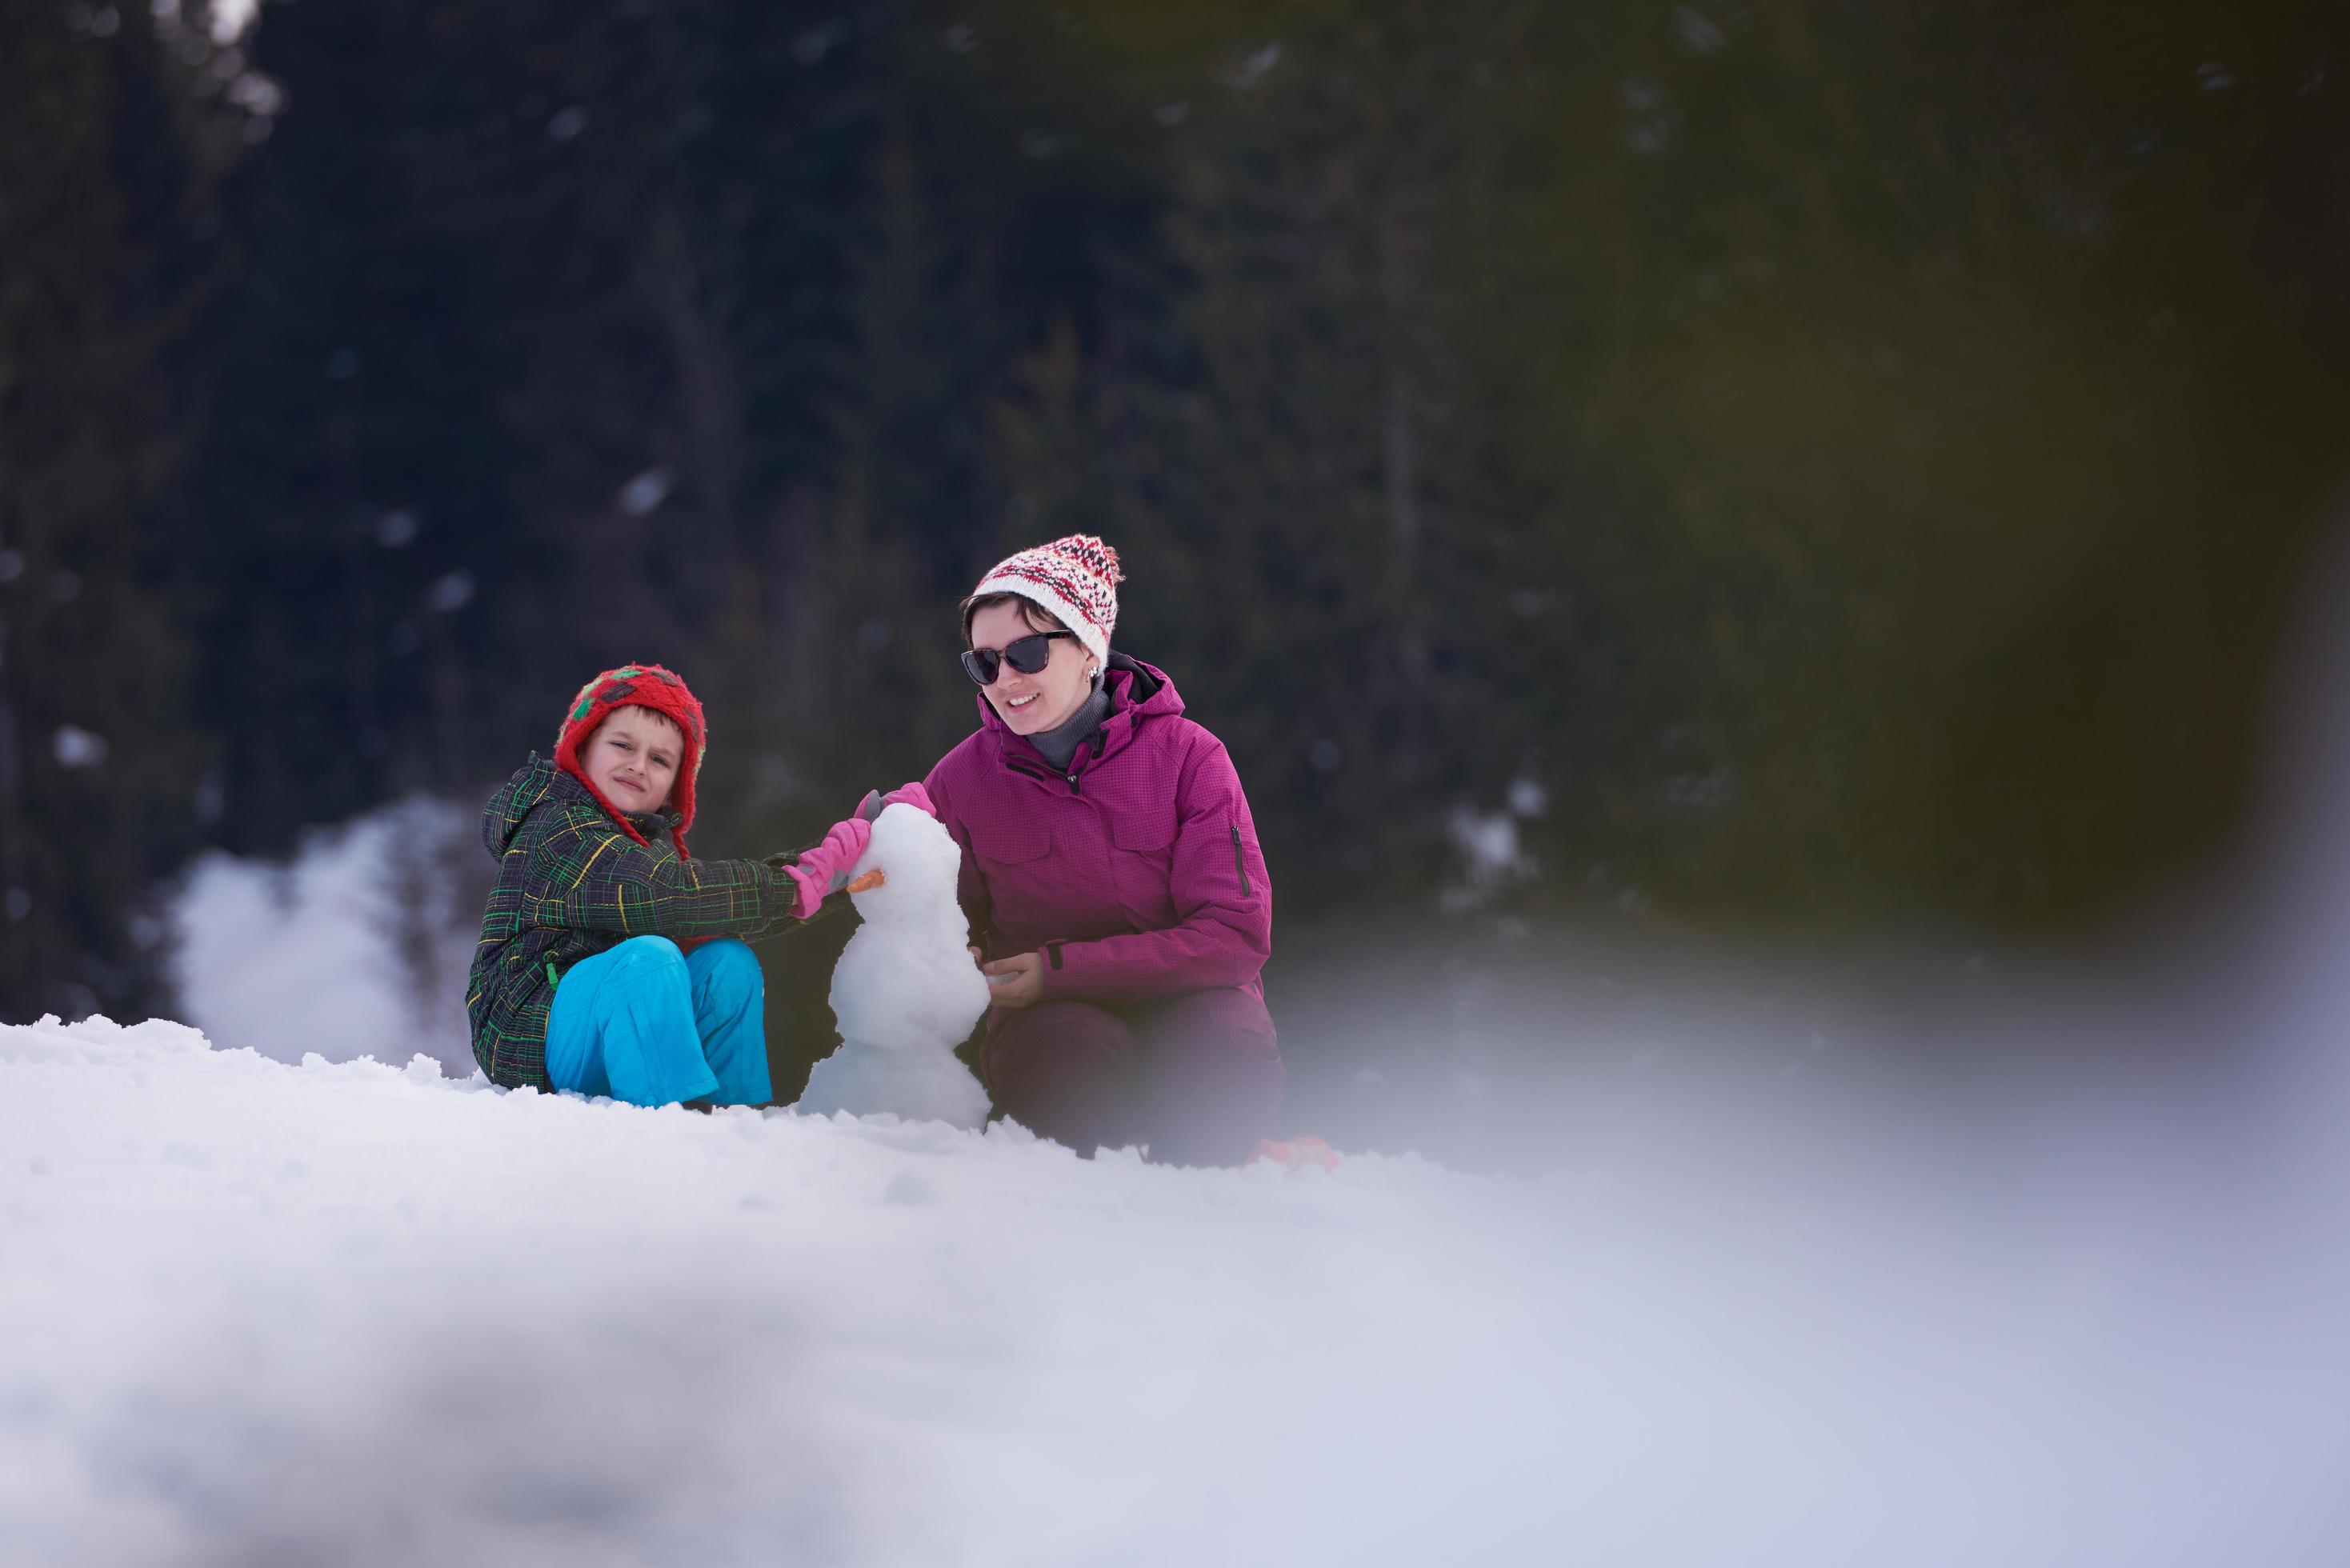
x=917 y=1085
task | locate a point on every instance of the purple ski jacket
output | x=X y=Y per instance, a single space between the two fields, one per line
x=1136 y=871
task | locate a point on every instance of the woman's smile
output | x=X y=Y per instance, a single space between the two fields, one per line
x=1031 y=701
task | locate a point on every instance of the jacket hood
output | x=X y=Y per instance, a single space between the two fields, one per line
x=535 y=782
x=516 y=799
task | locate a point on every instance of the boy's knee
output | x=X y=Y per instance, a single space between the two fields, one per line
x=726 y=978
x=647 y=952
x=729 y=956
x=728 y=967
x=647 y=960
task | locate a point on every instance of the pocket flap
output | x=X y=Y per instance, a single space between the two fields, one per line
x=1011 y=839
x=1144 y=830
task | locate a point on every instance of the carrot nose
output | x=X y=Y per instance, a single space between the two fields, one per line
x=867 y=882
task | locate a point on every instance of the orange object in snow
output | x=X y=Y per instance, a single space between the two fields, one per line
x=867 y=882
x=1297 y=1153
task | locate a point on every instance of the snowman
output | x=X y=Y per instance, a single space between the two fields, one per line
x=905 y=992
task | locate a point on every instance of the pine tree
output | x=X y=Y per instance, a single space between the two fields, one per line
x=107 y=156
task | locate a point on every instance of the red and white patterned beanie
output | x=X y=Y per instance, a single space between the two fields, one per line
x=1076 y=578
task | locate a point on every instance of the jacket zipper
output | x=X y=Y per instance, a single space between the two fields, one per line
x=1239 y=861
x=1021 y=767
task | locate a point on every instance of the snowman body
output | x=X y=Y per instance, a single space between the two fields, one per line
x=905 y=992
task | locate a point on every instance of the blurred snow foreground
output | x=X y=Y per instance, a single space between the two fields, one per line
x=258 y=1312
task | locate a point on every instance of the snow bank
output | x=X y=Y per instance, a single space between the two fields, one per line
x=362 y=1314
x=359 y=947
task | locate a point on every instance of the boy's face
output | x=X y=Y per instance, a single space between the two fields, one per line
x=633 y=758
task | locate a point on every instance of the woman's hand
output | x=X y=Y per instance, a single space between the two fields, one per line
x=1023 y=981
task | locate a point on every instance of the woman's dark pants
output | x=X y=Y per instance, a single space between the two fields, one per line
x=1197 y=1077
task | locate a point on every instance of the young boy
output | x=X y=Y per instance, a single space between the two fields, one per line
x=581 y=979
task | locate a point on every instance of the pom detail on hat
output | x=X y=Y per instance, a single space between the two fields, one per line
x=637 y=686
x=1075 y=577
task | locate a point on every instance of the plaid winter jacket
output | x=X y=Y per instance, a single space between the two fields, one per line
x=571 y=885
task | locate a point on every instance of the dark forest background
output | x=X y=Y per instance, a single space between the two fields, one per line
x=1808 y=465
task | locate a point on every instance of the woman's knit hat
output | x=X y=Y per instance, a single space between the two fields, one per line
x=1075 y=578
x=638 y=686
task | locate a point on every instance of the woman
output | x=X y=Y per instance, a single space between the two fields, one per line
x=1111 y=874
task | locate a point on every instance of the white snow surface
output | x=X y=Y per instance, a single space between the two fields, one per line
x=255 y=1312
x=904 y=991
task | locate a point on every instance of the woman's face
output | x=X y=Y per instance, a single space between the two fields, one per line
x=1028 y=703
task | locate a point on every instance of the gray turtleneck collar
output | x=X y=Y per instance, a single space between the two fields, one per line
x=1060 y=742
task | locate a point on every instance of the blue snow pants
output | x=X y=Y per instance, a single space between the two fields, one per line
x=649 y=1025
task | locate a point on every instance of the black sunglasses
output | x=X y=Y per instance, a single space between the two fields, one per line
x=1026 y=654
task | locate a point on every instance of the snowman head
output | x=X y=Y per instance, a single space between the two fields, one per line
x=917 y=859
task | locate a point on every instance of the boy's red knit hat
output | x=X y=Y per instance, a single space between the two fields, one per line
x=638 y=686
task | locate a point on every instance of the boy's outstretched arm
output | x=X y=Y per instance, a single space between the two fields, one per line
x=594 y=878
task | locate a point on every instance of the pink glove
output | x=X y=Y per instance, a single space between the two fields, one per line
x=911 y=794
x=825 y=868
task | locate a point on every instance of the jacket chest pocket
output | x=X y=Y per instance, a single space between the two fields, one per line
x=1013 y=855
x=1012 y=841
x=1142 y=867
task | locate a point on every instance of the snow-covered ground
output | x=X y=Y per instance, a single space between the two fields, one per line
x=255 y=1312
